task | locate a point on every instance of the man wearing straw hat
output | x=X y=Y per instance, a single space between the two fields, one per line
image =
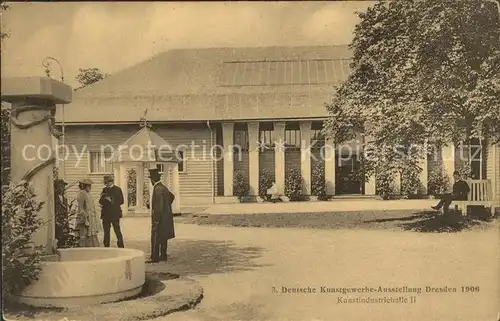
x=162 y=219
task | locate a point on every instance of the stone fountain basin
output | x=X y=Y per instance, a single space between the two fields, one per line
x=87 y=276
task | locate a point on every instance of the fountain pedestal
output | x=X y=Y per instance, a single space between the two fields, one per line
x=33 y=101
x=82 y=276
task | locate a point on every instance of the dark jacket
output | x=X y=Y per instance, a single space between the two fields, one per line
x=162 y=218
x=461 y=190
x=111 y=210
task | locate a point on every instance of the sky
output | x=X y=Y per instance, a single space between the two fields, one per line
x=112 y=36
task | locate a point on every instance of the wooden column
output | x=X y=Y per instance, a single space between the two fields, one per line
x=123 y=181
x=228 y=137
x=370 y=184
x=279 y=156
x=330 y=164
x=139 y=203
x=305 y=156
x=253 y=158
x=448 y=157
x=424 y=173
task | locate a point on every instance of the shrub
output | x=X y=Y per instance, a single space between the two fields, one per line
x=146 y=196
x=5 y=144
x=465 y=170
x=265 y=183
x=439 y=181
x=410 y=182
x=131 y=187
x=64 y=214
x=318 y=187
x=20 y=256
x=293 y=183
x=384 y=183
x=240 y=185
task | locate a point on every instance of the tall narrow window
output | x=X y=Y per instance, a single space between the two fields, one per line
x=266 y=139
x=241 y=139
x=99 y=163
x=317 y=139
x=292 y=138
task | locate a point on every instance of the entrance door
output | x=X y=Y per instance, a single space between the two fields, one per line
x=346 y=181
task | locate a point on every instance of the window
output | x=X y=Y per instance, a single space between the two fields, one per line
x=241 y=139
x=317 y=139
x=99 y=163
x=266 y=139
x=182 y=161
x=181 y=167
x=292 y=138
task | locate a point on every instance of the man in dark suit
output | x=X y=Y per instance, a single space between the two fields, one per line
x=111 y=213
x=460 y=193
x=162 y=218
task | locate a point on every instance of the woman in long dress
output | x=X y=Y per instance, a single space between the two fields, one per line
x=87 y=220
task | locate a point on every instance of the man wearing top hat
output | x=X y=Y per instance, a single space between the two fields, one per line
x=111 y=212
x=162 y=219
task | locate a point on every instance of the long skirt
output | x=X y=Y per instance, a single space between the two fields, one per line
x=87 y=240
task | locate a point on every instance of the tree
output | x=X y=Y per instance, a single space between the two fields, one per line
x=5 y=141
x=3 y=7
x=89 y=76
x=423 y=72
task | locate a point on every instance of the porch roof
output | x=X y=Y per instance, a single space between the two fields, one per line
x=217 y=84
x=144 y=146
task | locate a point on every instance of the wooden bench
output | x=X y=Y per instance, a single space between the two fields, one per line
x=480 y=194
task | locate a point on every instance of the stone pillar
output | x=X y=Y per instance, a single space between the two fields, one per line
x=123 y=181
x=228 y=137
x=305 y=156
x=253 y=158
x=33 y=101
x=279 y=156
x=139 y=198
x=448 y=157
x=330 y=164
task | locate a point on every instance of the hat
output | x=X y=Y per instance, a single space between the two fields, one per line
x=60 y=182
x=108 y=178
x=86 y=181
x=154 y=172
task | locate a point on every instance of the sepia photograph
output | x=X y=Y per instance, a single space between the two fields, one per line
x=250 y=160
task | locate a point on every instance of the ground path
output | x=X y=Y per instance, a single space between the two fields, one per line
x=238 y=267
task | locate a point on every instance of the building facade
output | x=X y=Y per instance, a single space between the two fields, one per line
x=229 y=110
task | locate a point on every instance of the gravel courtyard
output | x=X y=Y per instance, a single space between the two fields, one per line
x=239 y=267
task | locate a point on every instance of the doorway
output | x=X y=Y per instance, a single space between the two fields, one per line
x=347 y=181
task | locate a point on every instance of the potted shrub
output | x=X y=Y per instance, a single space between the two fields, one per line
x=265 y=183
x=293 y=184
x=240 y=185
x=318 y=188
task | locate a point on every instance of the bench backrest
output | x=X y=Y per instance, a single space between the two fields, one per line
x=480 y=190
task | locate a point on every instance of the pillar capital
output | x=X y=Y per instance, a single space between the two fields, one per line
x=35 y=88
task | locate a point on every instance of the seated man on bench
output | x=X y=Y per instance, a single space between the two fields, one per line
x=460 y=193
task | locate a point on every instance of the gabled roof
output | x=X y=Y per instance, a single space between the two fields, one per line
x=217 y=84
x=143 y=146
